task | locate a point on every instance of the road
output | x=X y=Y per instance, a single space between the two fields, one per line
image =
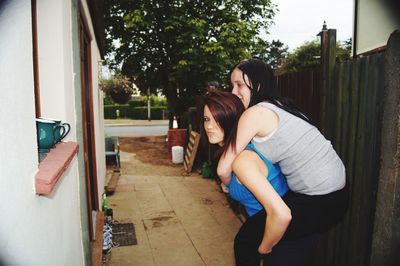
x=136 y=130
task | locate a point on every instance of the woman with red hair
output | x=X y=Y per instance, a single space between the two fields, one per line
x=256 y=183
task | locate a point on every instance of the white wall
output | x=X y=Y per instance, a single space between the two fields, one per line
x=375 y=24
x=36 y=230
x=55 y=60
x=57 y=83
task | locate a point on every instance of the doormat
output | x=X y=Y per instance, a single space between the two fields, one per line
x=123 y=234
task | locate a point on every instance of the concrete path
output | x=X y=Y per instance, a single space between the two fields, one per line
x=178 y=219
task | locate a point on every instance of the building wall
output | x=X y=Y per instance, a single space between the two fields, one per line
x=36 y=230
x=76 y=68
x=98 y=108
x=375 y=22
x=42 y=230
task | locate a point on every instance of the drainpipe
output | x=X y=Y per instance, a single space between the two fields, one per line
x=355 y=28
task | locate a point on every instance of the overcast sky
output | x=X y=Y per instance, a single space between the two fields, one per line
x=298 y=21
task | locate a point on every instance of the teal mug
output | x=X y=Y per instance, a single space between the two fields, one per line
x=66 y=128
x=62 y=129
x=46 y=132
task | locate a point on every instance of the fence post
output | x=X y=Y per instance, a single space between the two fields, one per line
x=386 y=234
x=328 y=59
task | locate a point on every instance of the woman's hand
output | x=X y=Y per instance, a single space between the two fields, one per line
x=264 y=249
x=224 y=188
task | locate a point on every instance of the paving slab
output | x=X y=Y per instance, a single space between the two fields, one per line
x=174 y=256
x=179 y=219
x=216 y=253
x=166 y=232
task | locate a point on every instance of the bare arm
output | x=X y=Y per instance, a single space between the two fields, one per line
x=250 y=171
x=255 y=121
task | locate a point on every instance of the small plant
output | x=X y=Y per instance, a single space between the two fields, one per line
x=118 y=87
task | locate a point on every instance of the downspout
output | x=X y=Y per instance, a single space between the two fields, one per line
x=355 y=28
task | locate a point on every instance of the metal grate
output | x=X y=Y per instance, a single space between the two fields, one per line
x=124 y=234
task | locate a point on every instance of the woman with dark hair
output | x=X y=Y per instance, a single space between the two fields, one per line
x=317 y=195
x=256 y=183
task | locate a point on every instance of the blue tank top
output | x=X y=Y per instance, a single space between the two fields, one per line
x=240 y=193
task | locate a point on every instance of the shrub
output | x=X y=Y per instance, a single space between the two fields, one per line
x=139 y=113
x=110 y=111
x=107 y=100
x=119 y=87
x=156 y=112
x=158 y=101
x=137 y=102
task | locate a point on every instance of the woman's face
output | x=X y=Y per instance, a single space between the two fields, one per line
x=214 y=132
x=239 y=87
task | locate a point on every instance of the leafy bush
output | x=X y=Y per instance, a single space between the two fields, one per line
x=308 y=55
x=142 y=101
x=137 y=102
x=119 y=87
x=116 y=84
x=107 y=100
x=110 y=111
x=158 y=101
x=156 y=113
x=139 y=113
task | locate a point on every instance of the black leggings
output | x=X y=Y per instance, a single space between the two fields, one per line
x=311 y=216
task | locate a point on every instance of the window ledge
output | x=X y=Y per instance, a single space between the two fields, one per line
x=53 y=166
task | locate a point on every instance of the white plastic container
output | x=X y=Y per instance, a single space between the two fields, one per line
x=177 y=154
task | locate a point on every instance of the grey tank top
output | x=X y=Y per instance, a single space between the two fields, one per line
x=306 y=158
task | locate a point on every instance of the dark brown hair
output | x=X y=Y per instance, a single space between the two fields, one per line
x=226 y=108
x=263 y=88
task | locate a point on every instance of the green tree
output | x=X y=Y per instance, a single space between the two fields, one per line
x=305 y=56
x=308 y=55
x=344 y=50
x=178 y=45
x=270 y=52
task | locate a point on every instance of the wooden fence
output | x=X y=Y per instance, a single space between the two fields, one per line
x=352 y=112
x=353 y=123
x=304 y=88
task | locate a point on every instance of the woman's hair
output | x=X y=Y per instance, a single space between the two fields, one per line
x=263 y=88
x=226 y=108
x=213 y=85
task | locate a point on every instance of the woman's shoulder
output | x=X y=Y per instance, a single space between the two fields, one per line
x=257 y=111
x=265 y=120
x=247 y=157
x=267 y=105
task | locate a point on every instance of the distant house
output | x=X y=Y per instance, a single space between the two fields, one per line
x=50 y=54
x=374 y=21
x=136 y=91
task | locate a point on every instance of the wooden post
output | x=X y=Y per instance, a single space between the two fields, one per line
x=386 y=234
x=328 y=59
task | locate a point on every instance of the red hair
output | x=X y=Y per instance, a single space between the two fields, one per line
x=226 y=108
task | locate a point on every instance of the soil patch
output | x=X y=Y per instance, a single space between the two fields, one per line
x=152 y=150
x=147 y=156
